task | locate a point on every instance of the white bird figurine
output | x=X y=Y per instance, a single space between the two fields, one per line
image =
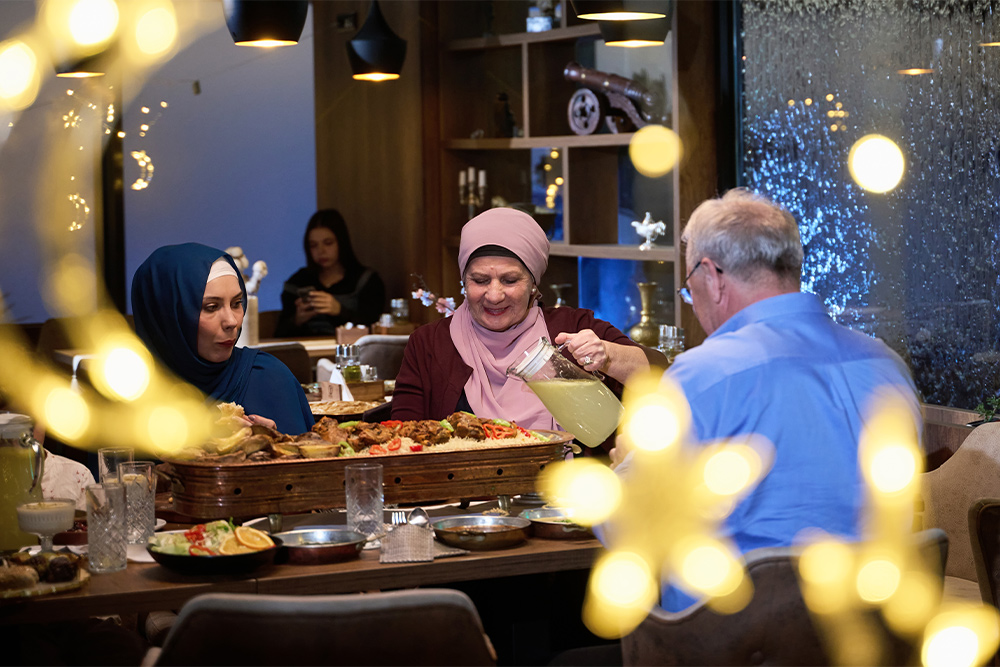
x=239 y=259
x=259 y=271
x=649 y=229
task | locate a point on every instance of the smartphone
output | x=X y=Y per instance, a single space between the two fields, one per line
x=304 y=292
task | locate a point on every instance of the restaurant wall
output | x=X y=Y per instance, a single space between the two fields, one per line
x=916 y=265
x=233 y=154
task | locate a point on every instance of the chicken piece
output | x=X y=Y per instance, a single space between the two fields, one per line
x=253 y=444
x=424 y=432
x=365 y=435
x=329 y=429
x=260 y=429
x=467 y=426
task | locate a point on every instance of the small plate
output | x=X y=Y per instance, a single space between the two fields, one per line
x=46 y=588
x=552 y=523
x=315 y=546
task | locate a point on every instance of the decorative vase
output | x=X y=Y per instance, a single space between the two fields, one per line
x=647 y=330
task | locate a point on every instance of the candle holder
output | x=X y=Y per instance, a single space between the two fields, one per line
x=471 y=195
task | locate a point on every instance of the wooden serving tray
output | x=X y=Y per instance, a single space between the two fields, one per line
x=244 y=490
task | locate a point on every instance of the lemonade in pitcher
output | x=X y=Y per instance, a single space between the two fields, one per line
x=20 y=478
x=578 y=400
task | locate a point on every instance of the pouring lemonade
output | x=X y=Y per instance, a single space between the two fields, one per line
x=578 y=400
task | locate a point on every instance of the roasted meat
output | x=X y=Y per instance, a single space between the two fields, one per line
x=365 y=435
x=329 y=429
x=467 y=426
x=425 y=432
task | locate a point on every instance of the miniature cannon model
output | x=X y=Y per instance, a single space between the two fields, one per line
x=620 y=104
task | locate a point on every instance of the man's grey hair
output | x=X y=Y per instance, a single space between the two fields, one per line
x=745 y=233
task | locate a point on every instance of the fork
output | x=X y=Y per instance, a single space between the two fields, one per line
x=398 y=517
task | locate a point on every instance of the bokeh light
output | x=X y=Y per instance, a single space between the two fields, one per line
x=93 y=22
x=655 y=150
x=710 y=568
x=66 y=413
x=729 y=471
x=961 y=634
x=876 y=163
x=125 y=372
x=19 y=77
x=653 y=427
x=893 y=468
x=622 y=590
x=585 y=486
x=156 y=30
x=878 y=580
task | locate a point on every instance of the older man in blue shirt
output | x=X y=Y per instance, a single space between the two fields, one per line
x=776 y=364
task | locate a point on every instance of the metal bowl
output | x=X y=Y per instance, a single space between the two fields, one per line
x=235 y=564
x=552 y=523
x=482 y=532
x=315 y=546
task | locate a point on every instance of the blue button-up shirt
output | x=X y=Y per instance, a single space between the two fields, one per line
x=782 y=368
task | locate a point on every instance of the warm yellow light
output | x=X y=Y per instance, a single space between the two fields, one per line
x=634 y=43
x=826 y=562
x=955 y=646
x=809 y=101
x=167 y=428
x=877 y=580
x=554 y=154
x=126 y=373
x=79 y=75
x=829 y=97
x=709 y=568
x=876 y=163
x=915 y=71
x=989 y=44
x=19 y=78
x=93 y=22
x=652 y=427
x=559 y=180
x=66 y=414
x=588 y=488
x=71 y=285
x=376 y=76
x=268 y=43
x=624 y=579
x=156 y=30
x=728 y=472
x=655 y=150
x=893 y=468
x=914 y=602
x=621 y=16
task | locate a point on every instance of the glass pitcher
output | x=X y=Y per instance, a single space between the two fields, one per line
x=20 y=477
x=578 y=400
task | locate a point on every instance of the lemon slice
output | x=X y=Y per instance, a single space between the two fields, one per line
x=253 y=538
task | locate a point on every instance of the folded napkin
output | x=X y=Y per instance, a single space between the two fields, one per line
x=407 y=544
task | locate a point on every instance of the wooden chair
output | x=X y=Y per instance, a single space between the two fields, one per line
x=970 y=474
x=984 y=528
x=409 y=627
x=775 y=628
x=295 y=356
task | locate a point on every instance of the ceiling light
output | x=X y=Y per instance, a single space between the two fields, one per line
x=265 y=23
x=621 y=10
x=635 y=33
x=376 y=53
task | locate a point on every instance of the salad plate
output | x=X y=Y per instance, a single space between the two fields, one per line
x=174 y=551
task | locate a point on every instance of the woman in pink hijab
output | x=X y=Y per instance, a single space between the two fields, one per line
x=460 y=363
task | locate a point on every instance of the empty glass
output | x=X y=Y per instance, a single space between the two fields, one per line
x=364 y=500
x=671 y=341
x=108 y=459
x=140 y=500
x=106 y=545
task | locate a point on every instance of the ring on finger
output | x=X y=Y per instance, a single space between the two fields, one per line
x=587 y=361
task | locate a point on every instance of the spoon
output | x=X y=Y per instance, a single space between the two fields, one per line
x=418 y=517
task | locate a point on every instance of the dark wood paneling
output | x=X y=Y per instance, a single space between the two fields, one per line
x=369 y=144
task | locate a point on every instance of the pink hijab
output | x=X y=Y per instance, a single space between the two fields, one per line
x=490 y=353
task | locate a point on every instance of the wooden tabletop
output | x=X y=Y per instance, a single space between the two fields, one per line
x=148 y=587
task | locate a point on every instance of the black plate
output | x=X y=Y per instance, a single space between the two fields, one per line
x=235 y=564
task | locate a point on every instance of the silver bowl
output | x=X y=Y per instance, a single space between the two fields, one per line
x=481 y=532
x=315 y=546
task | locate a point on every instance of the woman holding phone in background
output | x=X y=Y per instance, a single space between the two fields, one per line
x=333 y=288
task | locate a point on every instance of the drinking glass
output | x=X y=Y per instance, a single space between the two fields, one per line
x=106 y=545
x=108 y=459
x=45 y=518
x=140 y=500
x=671 y=341
x=364 y=500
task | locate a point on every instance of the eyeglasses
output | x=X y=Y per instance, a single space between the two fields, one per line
x=684 y=291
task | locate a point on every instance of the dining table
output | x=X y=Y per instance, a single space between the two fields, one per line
x=144 y=587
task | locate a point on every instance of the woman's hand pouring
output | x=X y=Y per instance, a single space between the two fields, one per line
x=587 y=349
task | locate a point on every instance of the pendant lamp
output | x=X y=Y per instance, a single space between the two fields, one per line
x=376 y=53
x=83 y=68
x=620 y=10
x=632 y=34
x=265 y=23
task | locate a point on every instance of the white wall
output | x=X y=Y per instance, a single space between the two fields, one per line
x=233 y=165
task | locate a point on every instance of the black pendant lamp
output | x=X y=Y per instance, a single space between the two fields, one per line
x=84 y=68
x=265 y=23
x=376 y=53
x=620 y=10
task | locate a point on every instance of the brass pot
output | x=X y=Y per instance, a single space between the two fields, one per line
x=647 y=330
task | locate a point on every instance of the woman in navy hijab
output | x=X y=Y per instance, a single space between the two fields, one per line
x=188 y=301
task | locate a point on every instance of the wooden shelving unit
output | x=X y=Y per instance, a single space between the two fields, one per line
x=528 y=69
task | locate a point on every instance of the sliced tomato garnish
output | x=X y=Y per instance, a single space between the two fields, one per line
x=376 y=450
x=416 y=448
x=391 y=423
x=394 y=444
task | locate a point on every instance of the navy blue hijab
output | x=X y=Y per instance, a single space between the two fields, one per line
x=167 y=294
